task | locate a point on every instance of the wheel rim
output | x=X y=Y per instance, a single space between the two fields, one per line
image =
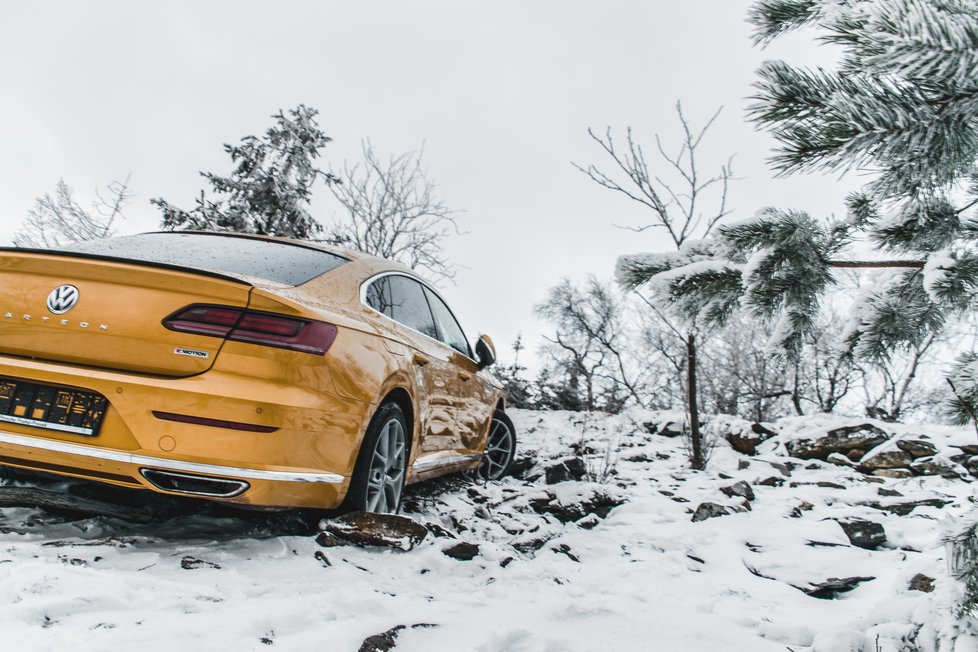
x=499 y=450
x=385 y=477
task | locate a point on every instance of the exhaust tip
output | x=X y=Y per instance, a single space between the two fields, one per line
x=194 y=485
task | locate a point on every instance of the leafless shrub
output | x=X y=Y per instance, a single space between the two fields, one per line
x=391 y=210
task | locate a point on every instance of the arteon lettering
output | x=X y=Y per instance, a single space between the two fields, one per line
x=60 y=322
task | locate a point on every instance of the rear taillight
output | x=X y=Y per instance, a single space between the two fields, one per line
x=262 y=328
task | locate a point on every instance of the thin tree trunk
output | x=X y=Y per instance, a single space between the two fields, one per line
x=694 y=413
x=796 y=392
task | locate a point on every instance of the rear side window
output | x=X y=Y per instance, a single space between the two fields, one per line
x=266 y=259
x=379 y=296
x=409 y=306
x=449 y=331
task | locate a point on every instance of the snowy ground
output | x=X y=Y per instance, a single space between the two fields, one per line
x=644 y=578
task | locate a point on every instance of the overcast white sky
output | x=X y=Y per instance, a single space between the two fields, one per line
x=501 y=94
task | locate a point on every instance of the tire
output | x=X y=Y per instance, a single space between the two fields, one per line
x=497 y=459
x=378 y=477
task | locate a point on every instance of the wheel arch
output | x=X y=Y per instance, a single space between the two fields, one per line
x=500 y=404
x=402 y=398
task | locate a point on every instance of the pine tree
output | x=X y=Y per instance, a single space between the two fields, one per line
x=902 y=105
x=269 y=189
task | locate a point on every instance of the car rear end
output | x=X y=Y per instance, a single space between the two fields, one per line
x=175 y=362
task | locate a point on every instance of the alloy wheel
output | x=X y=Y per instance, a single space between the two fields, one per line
x=385 y=477
x=499 y=450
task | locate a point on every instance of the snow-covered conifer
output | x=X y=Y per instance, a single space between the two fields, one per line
x=270 y=187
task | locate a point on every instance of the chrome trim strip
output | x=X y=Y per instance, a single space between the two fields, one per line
x=422 y=465
x=163 y=463
x=47 y=425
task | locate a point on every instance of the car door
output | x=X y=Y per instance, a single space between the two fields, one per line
x=435 y=373
x=473 y=404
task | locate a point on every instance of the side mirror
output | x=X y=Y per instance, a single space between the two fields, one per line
x=485 y=351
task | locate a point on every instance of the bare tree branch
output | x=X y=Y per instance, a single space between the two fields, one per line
x=392 y=211
x=57 y=220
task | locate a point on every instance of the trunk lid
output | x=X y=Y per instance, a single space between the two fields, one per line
x=108 y=313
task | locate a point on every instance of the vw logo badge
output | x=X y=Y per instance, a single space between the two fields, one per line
x=62 y=299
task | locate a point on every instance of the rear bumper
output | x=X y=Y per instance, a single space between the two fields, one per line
x=305 y=462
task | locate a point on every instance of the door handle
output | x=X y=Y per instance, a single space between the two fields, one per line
x=464 y=376
x=420 y=360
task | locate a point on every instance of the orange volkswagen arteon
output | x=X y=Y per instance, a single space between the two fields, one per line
x=259 y=371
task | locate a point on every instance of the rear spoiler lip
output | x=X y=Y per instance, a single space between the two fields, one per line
x=127 y=261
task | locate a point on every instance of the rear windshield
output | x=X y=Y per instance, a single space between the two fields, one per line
x=266 y=259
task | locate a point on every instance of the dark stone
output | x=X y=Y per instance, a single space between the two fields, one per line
x=385 y=530
x=804 y=506
x=638 y=457
x=192 y=563
x=438 y=531
x=463 y=551
x=747 y=442
x=886 y=460
x=710 y=510
x=743 y=464
x=571 y=468
x=864 y=534
x=967 y=449
x=927 y=466
x=598 y=503
x=833 y=586
x=921 y=582
x=828 y=485
x=743 y=445
x=762 y=430
x=671 y=429
x=322 y=559
x=972 y=465
x=385 y=641
x=917 y=448
x=564 y=549
x=902 y=509
x=773 y=481
x=883 y=491
x=521 y=467
x=783 y=467
x=740 y=489
x=854 y=455
x=477 y=496
x=71 y=505
x=530 y=546
x=840 y=440
x=327 y=540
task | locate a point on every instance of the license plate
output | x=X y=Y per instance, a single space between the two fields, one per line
x=51 y=408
